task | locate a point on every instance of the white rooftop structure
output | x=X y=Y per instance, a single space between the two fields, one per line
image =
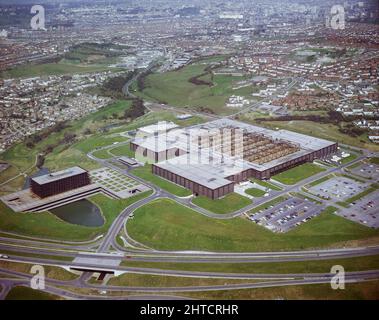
x=158 y=127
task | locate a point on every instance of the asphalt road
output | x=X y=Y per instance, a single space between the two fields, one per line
x=350 y=277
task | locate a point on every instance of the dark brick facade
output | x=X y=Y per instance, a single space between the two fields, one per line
x=61 y=185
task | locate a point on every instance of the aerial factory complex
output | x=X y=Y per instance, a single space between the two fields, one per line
x=210 y=158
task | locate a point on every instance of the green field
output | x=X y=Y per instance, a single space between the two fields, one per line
x=374 y=161
x=145 y=173
x=17 y=252
x=102 y=154
x=305 y=196
x=175 y=89
x=255 y=192
x=94 y=52
x=122 y=151
x=349 y=158
x=145 y=280
x=61 y=68
x=83 y=58
x=266 y=184
x=353 y=291
x=166 y=225
x=315 y=266
x=230 y=203
x=26 y=293
x=371 y=189
x=268 y=204
x=297 y=174
x=319 y=181
x=47 y=225
x=50 y=271
x=355 y=165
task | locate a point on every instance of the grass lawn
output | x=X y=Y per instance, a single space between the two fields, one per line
x=364 y=193
x=123 y=151
x=26 y=293
x=304 y=196
x=230 y=203
x=255 y=192
x=166 y=225
x=374 y=161
x=14 y=251
x=50 y=271
x=316 y=266
x=266 y=184
x=349 y=158
x=315 y=183
x=98 y=141
x=295 y=175
x=353 y=291
x=47 y=225
x=355 y=165
x=61 y=68
x=175 y=89
x=361 y=180
x=145 y=280
x=102 y=154
x=145 y=173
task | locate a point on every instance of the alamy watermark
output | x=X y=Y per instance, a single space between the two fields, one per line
x=338 y=280
x=38 y=20
x=336 y=18
x=37 y=282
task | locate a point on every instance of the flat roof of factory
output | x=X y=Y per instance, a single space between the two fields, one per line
x=210 y=175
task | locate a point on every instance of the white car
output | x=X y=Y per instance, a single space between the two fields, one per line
x=3 y=256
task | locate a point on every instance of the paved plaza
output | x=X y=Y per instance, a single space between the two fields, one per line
x=117 y=183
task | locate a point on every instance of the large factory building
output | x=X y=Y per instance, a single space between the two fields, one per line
x=210 y=158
